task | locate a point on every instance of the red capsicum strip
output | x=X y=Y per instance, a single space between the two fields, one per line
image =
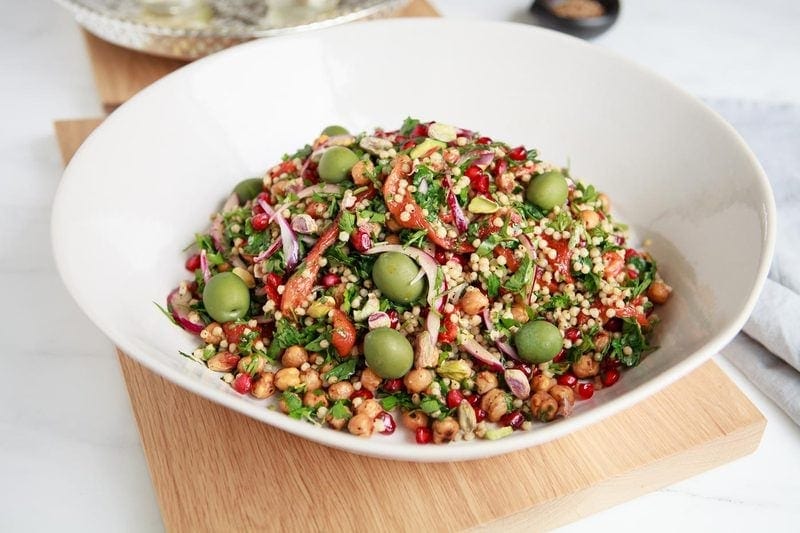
x=400 y=171
x=301 y=283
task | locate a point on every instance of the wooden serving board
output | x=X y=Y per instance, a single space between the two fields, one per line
x=216 y=470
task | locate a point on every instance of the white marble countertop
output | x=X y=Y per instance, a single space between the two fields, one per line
x=71 y=458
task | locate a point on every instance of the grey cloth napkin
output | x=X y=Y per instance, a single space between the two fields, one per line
x=768 y=349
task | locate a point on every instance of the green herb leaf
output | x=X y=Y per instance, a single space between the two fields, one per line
x=493 y=286
x=347 y=222
x=166 y=313
x=522 y=277
x=339 y=410
x=342 y=371
x=408 y=126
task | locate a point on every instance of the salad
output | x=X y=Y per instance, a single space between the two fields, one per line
x=427 y=276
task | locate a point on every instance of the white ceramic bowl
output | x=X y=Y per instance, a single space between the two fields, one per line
x=147 y=179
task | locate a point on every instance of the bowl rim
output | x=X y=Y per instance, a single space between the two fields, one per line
x=410 y=452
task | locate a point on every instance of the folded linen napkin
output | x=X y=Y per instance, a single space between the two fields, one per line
x=768 y=349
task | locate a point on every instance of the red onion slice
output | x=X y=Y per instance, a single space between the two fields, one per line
x=483 y=355
x=231 y=203
x=204 y=266
x=266 y=254
x=379 y=319
x=503 y=346
x=217 y=233
x=458 y=214
x=178 y=305
x=291 y=248
x=483 y=159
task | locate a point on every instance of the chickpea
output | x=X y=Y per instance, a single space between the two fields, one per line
x=542 y=383
x=585 y=367
x=659 y=292
x=286 y=378
x=601 y=341
x=495 y=404
x=360 y=425
x=370 y=380
x=338 y=423
x=590 y=219
x=519 y=314
x=473 y=301
x=361 y=171
x=294 y=356
x=565 y=397
x=415 y=419
x=310 y=378
x=263 y=385
x=393 y=238
x=282 y=406
x=224 y=267
x=341 y=390
x=543 y=407
x=212 y=334
x=445 y=430
x=315 y=398
x=371 y=408
x=418 y=379
x=605 y=202
x=223 y=362
x=485 y=381
x=250 y=365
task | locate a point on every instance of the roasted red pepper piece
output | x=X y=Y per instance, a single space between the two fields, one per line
x=561 y=262
x=400 y=171
x=343 y=336
x=303 y=280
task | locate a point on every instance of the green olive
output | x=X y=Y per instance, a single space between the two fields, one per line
x=393 y=273
x=334 y=130
x=248 y=189
x=548 y=190
x=226 y=297
x=335 y=164
x=538 y=341
x=388 y=353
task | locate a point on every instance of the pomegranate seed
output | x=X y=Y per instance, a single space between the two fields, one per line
x=480 y=184
x=389 y=424
x=473 y=399
x=560 y=357
x=392 y=385
x=526 y=369
x=454 y=398
x=518 y=154
x=420 y=130
x=400 y=139
x=585 y=390
x=440 y=256
x=273 y=280
x=613 y=325
x=260 y=221
x=243 y=383
x=473 y=171
x=484 y=140
x=423 y=435
x=361 y=241
x=193 y=263
x=394 y=318
x=330 y=280
x=500 y=167
x=408 y=145
x=513 y=419
x=610 y=377
x=480 y=414
x=572 y=334
x=364 y=394
x=568 y=380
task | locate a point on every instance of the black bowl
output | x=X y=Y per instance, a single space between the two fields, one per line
x=585 y=28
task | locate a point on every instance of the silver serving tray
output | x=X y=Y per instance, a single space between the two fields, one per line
x=214 y=25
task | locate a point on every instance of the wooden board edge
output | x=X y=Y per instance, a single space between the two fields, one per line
x=619 y=489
